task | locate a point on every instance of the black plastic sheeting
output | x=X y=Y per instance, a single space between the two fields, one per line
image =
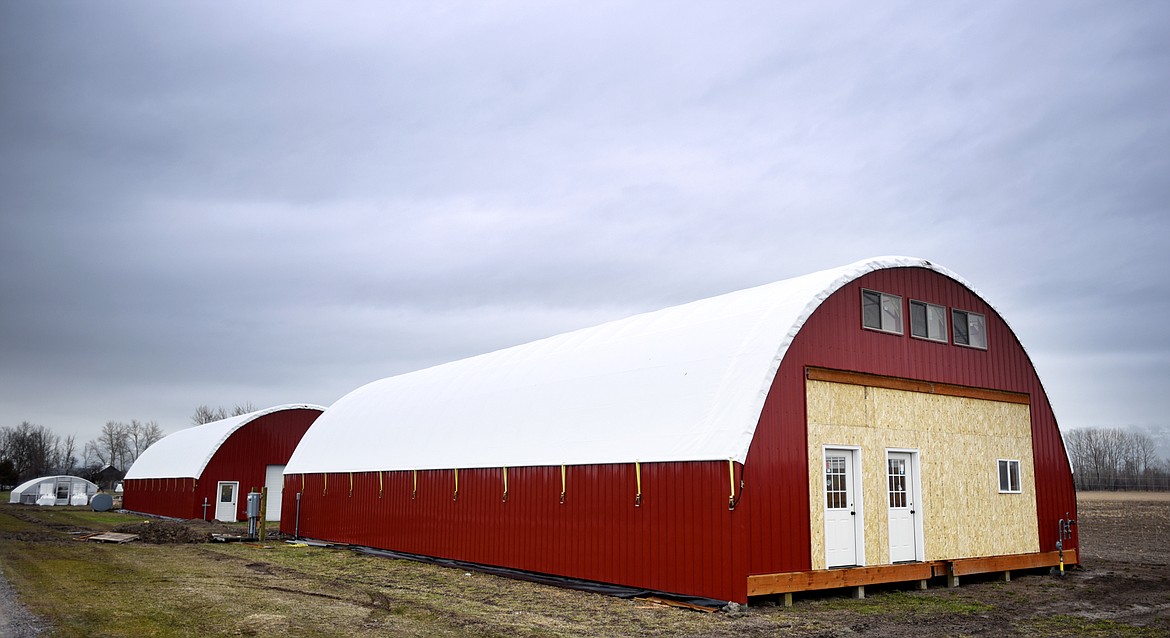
x=545 y=579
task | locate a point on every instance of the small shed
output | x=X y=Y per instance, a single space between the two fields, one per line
x=201 y=472
x=870 y=423
x=54 y=490
x=107 y=477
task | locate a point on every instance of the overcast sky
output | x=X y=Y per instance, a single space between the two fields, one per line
x=217 y=203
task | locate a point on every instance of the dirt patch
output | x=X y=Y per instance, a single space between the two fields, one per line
x=164 y=532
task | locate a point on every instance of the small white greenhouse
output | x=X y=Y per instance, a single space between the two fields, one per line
x=54 y=490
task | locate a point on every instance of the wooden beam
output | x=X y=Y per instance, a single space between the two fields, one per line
x=966 y=566
x=833 y=578
x=912 y=385
x=788 y=582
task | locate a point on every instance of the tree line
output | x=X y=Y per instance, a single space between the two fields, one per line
x=28 y=450
x=1115 y=459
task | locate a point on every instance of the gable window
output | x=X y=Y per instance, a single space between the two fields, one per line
x=970 y=329
x=928 y=321
x=1009 y=476
x=880 y=311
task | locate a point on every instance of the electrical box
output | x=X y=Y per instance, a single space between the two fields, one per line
x=253 y=504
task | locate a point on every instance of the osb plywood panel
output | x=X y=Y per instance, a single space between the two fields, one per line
x=959 y=441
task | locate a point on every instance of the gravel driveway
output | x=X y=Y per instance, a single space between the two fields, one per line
x=15 y=620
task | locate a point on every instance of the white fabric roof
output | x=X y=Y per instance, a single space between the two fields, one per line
x=186 y=453
x=14 y=497
x=682 y=384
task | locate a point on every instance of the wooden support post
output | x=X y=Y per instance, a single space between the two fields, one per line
x=859 y=592
x=788 y=599
x=263 y=513
x=1007 y=576
x=952 y=580
x=922 y=585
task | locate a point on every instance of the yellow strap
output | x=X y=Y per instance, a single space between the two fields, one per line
x=351 y=483
x=562 y=483
x=325 y=486
x=456 y=495
x=379 y=484
x=731 y=473
x=638 y=474
x=302 y=482
x=505 y=481
x=415 y=492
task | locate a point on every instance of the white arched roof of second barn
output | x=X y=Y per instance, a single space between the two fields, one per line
x=186 y=453
x=686 y=383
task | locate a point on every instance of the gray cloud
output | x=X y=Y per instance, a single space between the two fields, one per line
x=274 y=204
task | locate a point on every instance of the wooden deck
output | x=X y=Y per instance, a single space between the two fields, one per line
x=790 y=582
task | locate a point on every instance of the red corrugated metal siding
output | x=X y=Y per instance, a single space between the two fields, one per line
x=164 y=497
x=678 y=540
x=268 y=440
x=777 y=467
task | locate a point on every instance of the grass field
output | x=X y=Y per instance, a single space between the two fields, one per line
x=213 y=589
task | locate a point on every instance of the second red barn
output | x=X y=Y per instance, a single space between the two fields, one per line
x=201 y=472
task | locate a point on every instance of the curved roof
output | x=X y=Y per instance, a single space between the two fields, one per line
x=686 y=383
x=20 y=489
x=186 y=453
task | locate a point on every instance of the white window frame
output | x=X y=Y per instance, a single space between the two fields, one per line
x=942 y=310
x=885 y=300
x=1000 y=464
x=966 y=316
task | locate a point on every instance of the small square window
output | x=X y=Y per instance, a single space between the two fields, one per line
x=1009 y=476
x=970 y=329
x=928 y=321
x=880 y=311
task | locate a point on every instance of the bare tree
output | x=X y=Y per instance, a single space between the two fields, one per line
x=206 y=414
x=111 y=447
x=140 y=436
x=1114 y=458
x=66 y=460
x=32 y=449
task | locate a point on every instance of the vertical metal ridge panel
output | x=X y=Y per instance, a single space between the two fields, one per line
x=162 y=497
x=675 y=541
x=833 y=338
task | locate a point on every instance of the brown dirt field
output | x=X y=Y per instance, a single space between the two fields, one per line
x=1157 y=497
x=1123 y=589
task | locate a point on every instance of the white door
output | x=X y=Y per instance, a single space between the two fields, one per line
x=841 y=515
x=63 y=491
x=274 y=481
x=900 y=487
x=228 y=499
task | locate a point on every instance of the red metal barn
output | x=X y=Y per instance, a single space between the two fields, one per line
x=871 y=423
x=215 y=463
